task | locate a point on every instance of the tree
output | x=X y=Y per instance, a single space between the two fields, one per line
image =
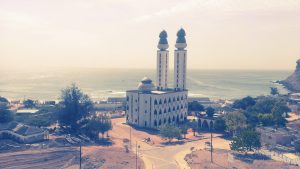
x=235 y=122
x=297 y=145
x=247 y=140
x=195 y=106
x=219 y=124
x=75 y=107
x=3 y=100
x=274 y=91
x=97 y=124
x=210 y=112
x=266 y=119
x=170 y=132
x=268 y=110
x=194 y=125
x=6 y=115
x=244 y=103
x=184 y=130
x=28 y=103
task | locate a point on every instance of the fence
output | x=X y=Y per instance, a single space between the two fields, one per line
x=281 y=157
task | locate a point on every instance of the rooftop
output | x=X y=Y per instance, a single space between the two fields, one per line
x=158 y=92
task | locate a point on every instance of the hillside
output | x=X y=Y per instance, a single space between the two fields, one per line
x=292 y=83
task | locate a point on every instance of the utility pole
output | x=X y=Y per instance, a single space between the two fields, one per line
x=211 y=147
x=130 y=136
x=136 y=157
x=80 y=156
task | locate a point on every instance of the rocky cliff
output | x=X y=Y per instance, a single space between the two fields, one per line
x=292 y=83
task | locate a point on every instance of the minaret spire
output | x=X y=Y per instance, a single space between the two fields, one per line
x=162 y=61
x=180 y=61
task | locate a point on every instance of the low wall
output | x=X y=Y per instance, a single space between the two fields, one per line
x=282 y=157
x=6 y=134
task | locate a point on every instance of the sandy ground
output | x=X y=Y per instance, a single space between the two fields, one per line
x=293 y=117
x=46 y=159
x=60 y=155
x=222 y=159
x=157 y=154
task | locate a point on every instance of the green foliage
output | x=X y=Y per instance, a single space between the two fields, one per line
x=195 y=106
x=220 y=124
x=297 y=145
x=3 y=99
x=274 y=91
x=75 y=107
x=235 y=122
x=244 y=103
x=6 y=115
x=43 y=118
x=96 y=125
x=247 y=140
x=28 y=103
x=170 y=132
x=275 y=107
x=266 y=119
x=194 y=126
x=184 y=129
x=210 y=112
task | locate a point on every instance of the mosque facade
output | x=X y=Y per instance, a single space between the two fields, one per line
x=152 y=106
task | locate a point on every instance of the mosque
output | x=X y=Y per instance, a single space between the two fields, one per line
x=151 y=106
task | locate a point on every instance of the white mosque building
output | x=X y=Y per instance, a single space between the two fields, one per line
x=151 y=106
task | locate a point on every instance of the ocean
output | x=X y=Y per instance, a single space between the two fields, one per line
x=102 y=83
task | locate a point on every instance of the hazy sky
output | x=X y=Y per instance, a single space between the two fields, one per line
x=221 y=34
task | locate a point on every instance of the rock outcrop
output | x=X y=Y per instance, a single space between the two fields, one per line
x=292 y=83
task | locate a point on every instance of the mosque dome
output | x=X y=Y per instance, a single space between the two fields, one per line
x=146 y=85
x=181 y=41
x=163 y=42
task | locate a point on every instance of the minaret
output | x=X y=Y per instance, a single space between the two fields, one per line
x=180 y=61
x=162 y=62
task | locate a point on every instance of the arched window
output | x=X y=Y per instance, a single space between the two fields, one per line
x=159 y=122
x=165 y=101
x=181 y=116
x=177 y=107
x=178 y=98
x=159 y=111
x=169 y=120
x=174 y=109
x=174 y=99
x=155 y=123
x=160 y=101
x=169 y=100
x=155 y=112
x=165 y=120
x=155 y=102
x=173 y=118
x=169 y=109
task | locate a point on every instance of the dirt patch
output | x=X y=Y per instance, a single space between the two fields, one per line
x=224 y=159
x=110 y=157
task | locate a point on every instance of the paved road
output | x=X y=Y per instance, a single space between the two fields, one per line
x=165 y=157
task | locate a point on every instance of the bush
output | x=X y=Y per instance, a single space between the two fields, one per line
x=297 y=145
x=6 y=115
x=247 y=140
x=244 y=103
x=170 y=132
x=97 y=124
x=210 y=112
x=219 y=125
